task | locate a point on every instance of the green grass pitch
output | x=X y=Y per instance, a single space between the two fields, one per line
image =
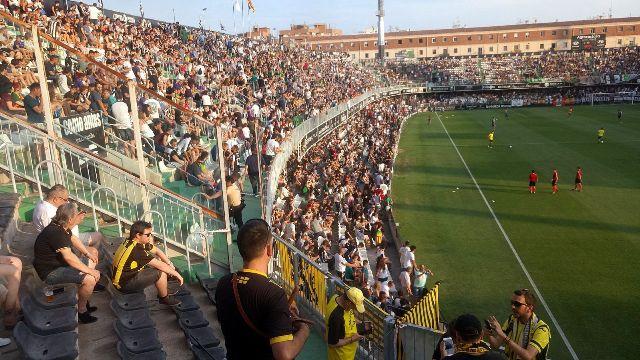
x=581 y=249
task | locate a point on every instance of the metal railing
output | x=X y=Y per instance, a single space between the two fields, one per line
x=84 y=175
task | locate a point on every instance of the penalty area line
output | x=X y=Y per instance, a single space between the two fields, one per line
x=513 y=249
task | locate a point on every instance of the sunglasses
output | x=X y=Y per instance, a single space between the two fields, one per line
x=147 y=234
x=517 y=304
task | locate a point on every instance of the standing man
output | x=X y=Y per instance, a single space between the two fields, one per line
x=467 y=337
x=253 y=170
x=554 y=181
x=342 y=328
x=601 y=136
x=234 y=197
x=256 y=319
x=429 y=120
x=533 y=179
x=490 y=136
x=493 y=124
x=578 y=181
x=524 y=335
x=619 y=115
x=409 y=259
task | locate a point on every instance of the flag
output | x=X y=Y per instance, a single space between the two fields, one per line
x=236 y=6
x=205 y=9
x=250 y=5
x=101 y=4
x=141 y=10
x=221 y=26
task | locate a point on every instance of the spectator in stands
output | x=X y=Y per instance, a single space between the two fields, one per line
x=523 y=334
x=466 y=332
x=254 y=314
x=341 y=262
x=56 y=263
x=33 y=106
x=408 y=258
x=405 y=281
x=139 y=264
x=253 y=170
x=420 y=275
x=45 y=211
x=10 y=271
x=234 y=200
x=342 y=325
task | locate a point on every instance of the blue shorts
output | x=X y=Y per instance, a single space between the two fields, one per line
x=66 y=275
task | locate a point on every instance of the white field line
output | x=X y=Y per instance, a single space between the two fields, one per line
x=513 y=249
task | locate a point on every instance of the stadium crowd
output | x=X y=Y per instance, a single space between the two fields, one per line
x=573 y=67
x=233 y=82
x=333 y=201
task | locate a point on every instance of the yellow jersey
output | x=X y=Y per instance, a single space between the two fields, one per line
x=601 y=133
x=341 y=324
x=490 y=136
x=535 y=334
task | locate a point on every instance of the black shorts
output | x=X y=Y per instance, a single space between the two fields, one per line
x=578 y=181
x=532 y=183
x=143 y=279
x=554 y=183
x=125 y=134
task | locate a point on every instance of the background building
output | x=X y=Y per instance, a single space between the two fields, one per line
x=304 y=32
x=492 y=40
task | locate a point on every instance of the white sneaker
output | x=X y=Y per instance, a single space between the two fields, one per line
x=4 y=342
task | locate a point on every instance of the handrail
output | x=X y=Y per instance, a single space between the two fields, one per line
x=163 y=227
x=37 y=173
x=92 y=156
x=5 y=145
x=93 y=207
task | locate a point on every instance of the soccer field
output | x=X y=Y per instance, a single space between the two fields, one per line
x=581 y=249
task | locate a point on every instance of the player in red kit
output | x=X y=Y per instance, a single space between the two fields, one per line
x=554 y=181
x=578 y=185
x=533 y=179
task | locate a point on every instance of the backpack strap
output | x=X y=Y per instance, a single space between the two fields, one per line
x=234 y=283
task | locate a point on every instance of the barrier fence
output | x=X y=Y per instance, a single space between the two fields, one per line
x=426 y=312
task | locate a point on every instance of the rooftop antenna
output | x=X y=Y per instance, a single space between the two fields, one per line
x=611 y=9
x=380 y=15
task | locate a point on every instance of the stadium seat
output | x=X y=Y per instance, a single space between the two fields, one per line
x=212 y=353
x=132 y=319
x=125 y=354
x=60 y=346
x=202 y=337
x=64 y=296
x=127 y=302
x=192 y=319
x=138 y=341
x=48 y=321
x=188 y=304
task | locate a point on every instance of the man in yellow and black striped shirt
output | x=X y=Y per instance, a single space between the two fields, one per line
x=524 y=335
x=138 y=264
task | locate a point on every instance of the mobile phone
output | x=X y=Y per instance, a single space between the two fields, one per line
x=448 y=346
x=487 y=325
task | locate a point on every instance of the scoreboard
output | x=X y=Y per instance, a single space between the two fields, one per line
x=588 y=42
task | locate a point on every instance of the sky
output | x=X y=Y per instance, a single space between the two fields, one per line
x=353 y=16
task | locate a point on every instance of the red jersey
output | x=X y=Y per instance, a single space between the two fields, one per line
x=579 y=175
x=533 y=177
x=555 y=176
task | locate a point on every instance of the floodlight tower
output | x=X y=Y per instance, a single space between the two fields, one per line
x=380 y=15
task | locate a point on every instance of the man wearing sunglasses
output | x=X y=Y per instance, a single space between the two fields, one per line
x=524 y=335
x=138 y=264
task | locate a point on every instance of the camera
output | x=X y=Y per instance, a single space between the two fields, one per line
x=365 y=328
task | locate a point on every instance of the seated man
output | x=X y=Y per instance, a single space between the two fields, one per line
x=10 y=270
x=45 y=210
x=138 y=264
x=198 y=175
x=57 y=264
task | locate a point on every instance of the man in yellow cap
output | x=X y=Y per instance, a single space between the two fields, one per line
x=342 y=329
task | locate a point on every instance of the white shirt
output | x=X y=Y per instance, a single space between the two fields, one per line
x=340 y=263
x=120 y=112
x=409 y=257
x=94 y=13
x=271 y=147
x=42 y=215
x=154 y=107
x=405 y=279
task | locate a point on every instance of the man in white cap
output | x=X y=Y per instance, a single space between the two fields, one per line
x=342 y=329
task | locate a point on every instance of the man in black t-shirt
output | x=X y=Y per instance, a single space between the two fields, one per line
x=139 y=264
x=33 y=106
x=56 y=263
x=253 y=170
x=262 y=325
x=466 y=333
